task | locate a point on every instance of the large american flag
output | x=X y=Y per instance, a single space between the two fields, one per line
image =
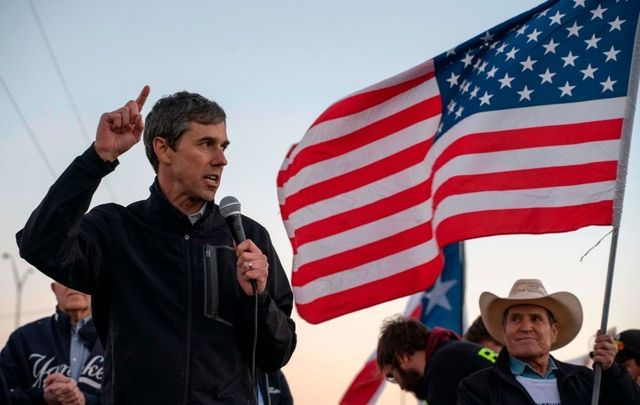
x=517 y=130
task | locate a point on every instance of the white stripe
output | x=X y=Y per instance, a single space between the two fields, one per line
x=407 y=75
x=359 y=197
x=522 y=159
x=89 y=382
x=363 y=156
x=380 y=269
x=523 y=199
x=362 y=235
x=528 y=117
x=339 y=127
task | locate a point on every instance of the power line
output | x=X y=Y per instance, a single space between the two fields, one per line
x=63 y=81
x=32 y=134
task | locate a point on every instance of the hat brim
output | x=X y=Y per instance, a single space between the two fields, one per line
x=564 y=306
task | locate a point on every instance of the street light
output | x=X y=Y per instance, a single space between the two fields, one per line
x=20 y=281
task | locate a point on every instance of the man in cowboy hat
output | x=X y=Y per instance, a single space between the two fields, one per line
x=531 y=323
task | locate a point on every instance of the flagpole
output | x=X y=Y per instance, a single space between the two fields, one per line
x=625 y=147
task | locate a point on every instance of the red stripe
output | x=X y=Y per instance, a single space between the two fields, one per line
x=511 y=139
x=527 y=220
x=373 y=132
x=364 y=386
x=360 y=102
x=527 y=179
x=355 y=179
x=362 y=255
x=408 y=282
x=365 y=214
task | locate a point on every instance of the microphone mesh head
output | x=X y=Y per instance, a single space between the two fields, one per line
x=229 y=206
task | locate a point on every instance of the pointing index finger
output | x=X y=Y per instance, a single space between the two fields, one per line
x=142 y=98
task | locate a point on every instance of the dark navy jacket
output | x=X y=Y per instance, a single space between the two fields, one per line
x=41 y=348
x=176 y=326
x=498 y=386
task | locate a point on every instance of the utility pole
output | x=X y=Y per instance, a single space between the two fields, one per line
x=20 y=281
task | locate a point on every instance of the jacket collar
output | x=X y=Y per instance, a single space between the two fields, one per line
x=87 y=332
x=160 y=205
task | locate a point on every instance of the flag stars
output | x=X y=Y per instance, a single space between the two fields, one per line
x=574 y=30
x=578 y=3
x=597 y=12
x=501 y=48
x=451 y=51
x=616 y=24
x=506 y=81
x=534 y=35
x=547 y=77
x=528 y=64
x=453 y=80
x=491 y=73
x=569 y=59
x=556 y=18
x=487 y=37
x=592 y=42
x=474 y=92
x=525 y=93
x=464 y=87
x=566 y=89
x=611 y=54
x=451 y=106
x=467 y=60
x=608 y=84
x=550 y=46
x=485 y=99
x=588 y=72
x=521 y=30
x=459 y=111
x=483 y=66
x=512 y=53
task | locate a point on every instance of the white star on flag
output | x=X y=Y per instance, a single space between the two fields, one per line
x=438 y=295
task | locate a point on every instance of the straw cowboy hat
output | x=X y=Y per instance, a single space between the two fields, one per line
x=564 y=306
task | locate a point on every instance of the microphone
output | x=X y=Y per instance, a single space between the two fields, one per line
x=230 y=210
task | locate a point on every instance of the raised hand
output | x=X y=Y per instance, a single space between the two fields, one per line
x=119 y=130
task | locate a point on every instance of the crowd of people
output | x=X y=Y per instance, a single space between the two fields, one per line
x=164 y=284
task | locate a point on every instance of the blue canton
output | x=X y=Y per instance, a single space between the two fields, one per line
x=562 y=51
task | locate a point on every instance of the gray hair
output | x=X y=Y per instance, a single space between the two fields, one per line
x=170 y=117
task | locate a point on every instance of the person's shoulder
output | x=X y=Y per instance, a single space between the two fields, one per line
x=569 y=368
x=27 y=330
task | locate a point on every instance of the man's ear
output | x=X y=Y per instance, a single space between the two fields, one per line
x=404 y=360
x=162 y=150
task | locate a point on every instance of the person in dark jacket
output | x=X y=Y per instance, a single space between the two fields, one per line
x=628 y=356
x=172 y=292
x=531 y=323
x=58 y=359
x=428 y=363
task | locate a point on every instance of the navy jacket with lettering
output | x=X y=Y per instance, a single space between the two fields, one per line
x=40 y=348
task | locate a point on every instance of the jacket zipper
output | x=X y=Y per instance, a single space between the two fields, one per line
x=210 y=284
x=188 y=342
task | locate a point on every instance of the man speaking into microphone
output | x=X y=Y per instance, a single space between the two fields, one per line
x=173 y=300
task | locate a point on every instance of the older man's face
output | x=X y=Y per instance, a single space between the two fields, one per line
x=528 y=332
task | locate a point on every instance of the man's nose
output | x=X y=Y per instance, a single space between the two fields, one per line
x=218 y=158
